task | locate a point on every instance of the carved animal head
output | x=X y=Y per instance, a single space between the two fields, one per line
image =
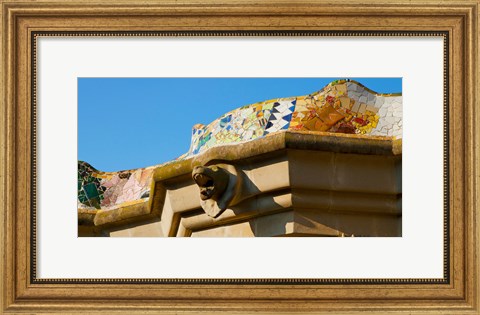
x=212 y=181
x=218 y=186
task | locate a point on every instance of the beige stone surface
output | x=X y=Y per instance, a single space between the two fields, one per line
x=126 y=211
x=344 y=172
x=247 y=210
x=311 y=190
x=167 y=216
x=270 y=174
x=353 y=202
x=153 y=229
x=336 y=224
x=236 y=230
x=308 y=222
x=277 y=224
x=185 y=197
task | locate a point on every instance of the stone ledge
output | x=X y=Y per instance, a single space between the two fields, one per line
x=303 y=140
x=297 y=140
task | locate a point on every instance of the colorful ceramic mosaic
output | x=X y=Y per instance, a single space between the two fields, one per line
x=343 y=106
x=104 y=189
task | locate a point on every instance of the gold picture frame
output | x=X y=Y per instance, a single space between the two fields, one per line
x=22 y=21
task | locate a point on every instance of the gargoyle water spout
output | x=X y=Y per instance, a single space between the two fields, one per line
x=212 y=181
x=217 y=185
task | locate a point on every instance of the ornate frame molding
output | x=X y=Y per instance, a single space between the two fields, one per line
x=21 y=292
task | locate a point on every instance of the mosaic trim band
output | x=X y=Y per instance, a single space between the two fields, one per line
x=286 y=108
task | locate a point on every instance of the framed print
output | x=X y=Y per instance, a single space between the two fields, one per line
x=168 y=157
x=346 y=121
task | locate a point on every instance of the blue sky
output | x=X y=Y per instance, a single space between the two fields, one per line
x=126 y=123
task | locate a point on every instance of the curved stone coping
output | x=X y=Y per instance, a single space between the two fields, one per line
x=125 y=211
x=303 y=140
x=320 y=141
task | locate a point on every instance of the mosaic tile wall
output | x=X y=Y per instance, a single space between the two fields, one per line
x=104 y=189
x=343 y=106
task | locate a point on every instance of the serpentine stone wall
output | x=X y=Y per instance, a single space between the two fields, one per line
x=341 y=107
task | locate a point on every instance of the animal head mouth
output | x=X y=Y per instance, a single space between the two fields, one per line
x=217 y=187
x=212 y=181
x=206 y=185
